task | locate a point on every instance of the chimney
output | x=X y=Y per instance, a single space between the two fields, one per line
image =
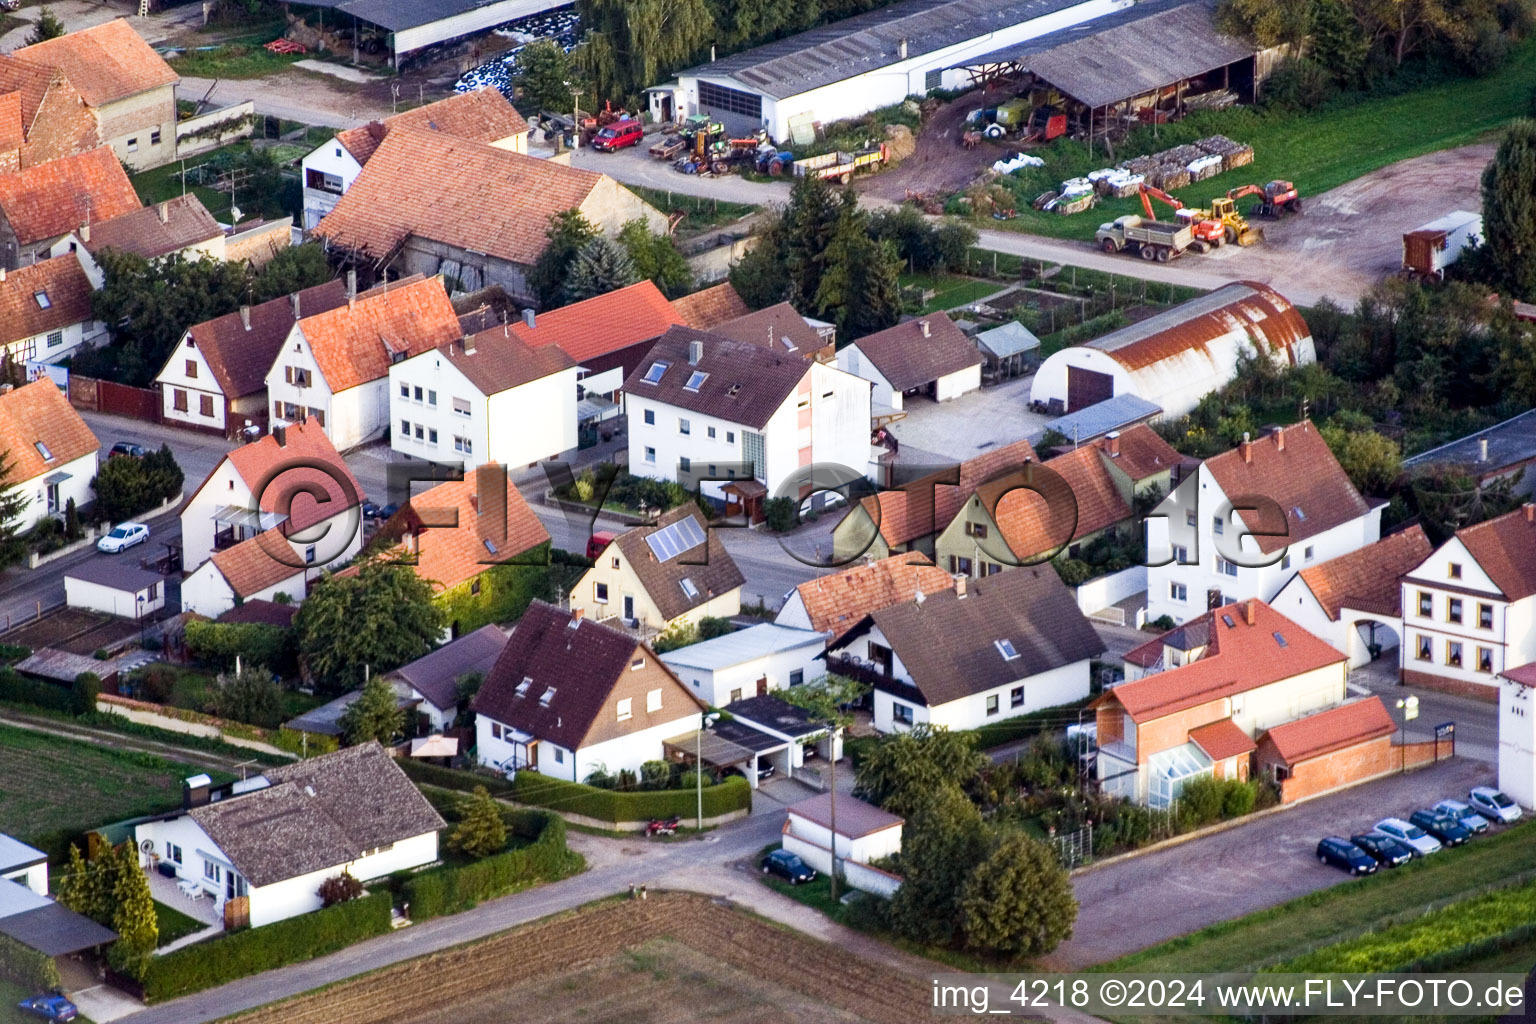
x=474 y=502
x=1250 y=610
x=901 y=49
x=960 y=579
x=1246 y=448
x=293 y=300
x=408 y=541
x=194 y=791
x=577 y=614
x=530 y=321
x=1530 y=512
x=351 y=288
x=245 y=317
x=469 y=344
x=1112 y=444
x=2 y=273
x=85 y=232
x=695 y=352
x=280 y=435
x=163 y=211
x=924 y=325
x=1279 y=439
x=918 y=598
x=1482 y=449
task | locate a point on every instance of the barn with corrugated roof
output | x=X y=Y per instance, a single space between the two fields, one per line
x=1180 y=355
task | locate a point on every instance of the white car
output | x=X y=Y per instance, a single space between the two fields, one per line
x=123 y=536
x=1420 y=842
x=1493 y=804
x=1470 y=819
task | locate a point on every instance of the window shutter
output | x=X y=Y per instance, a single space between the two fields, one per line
x=288 y=374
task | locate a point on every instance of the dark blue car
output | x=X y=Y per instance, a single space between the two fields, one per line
x=1442 y=826
x=788 y=866
x=50 y=1007
x=1389 y=853
x=1344 y=854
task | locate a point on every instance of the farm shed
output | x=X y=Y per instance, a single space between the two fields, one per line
x=859 y=64
x=405 y=26
x=1180 y=355
x=1009 y=350
x=1155 y=54
x=929 y=357
x=114 y=588
x=1503 y=450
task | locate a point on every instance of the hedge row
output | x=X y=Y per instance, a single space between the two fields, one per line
x=452 y=778
x=192 y=741
x=27 y=967
x=18 y=689
x=734 y=794
x=253 y=950
x=449 y=890
x=256 y=643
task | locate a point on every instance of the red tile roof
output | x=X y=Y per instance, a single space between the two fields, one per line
x=239 y=358
x=466 y=194
x=1221 y=740
x=1240 y=657
x=710 y=306
x=39 y=413
x=837 y=602
x=931 y=503
x=1368 y=578
x=356 y=343
x=55 y=198
x=1334 y=729
x=483 y=115
x=1143 y=452
x=1505 y=549
x=60 y=283
x=1032 y=524
x=285 y=478
x=777 y=328
x=1525 y=674
x=106 y=62
x=604 y=323
x=257 y=563
x=497 y=360
x=1293 y=468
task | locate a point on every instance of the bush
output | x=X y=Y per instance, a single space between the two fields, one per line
x=26 y=967
x=18 y=689
x=342 y=888
x=453 y=778
x=780 y=514
x=218 y=643
x=1207 y=799
x=87 y=689
x=243 y=953
x=448 y=890
x=734 y=794
x=1299 y=84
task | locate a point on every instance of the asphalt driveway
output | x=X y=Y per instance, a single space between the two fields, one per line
x=1141 y=901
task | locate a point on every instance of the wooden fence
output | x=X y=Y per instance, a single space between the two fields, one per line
x=111 y=397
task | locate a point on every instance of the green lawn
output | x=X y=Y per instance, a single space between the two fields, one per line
x=701 y=213
x=54 y=785
x=11 y=994
x=174 y=924
x=162 y=183
x=950 y=290
x=191 y=691
x=1321 y=917
x=1318 y=150
x=233 y=60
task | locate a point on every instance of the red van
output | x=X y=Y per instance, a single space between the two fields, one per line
x=600 y=540
x=618 y=135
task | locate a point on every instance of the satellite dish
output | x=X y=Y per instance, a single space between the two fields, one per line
x=147 y=846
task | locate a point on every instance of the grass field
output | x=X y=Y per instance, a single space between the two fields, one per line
x=702 y=213
x=1318 y=150
x=950 y=290
x=54 y=784
x=233 y=60
x=1320 y=918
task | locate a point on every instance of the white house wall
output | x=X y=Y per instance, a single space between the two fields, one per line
x=854 y=361
x=1517 y=743
x=173 y=377
x=961 y=382
x=99 y=597
x=714 y=686
x=51 y=346
x=331 y=158
x=81 y=472
x=1510 y=640
x=631 y=751
x=1047 y=689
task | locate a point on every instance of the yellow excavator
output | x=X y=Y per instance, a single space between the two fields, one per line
x=1235 y=226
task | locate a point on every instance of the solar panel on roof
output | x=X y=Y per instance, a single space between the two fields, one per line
x=671 y=541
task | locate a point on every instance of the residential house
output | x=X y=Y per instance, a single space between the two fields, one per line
x=434 y=678
x=1517 y=734
x=216 y=378
x=274 y=838
x=910 y=517
x=929 y=356
x=709 y=307
x=1469 y=608
x=42 y=206
x=570 y=696
x=803 y=738
x=29 y=918
x=52 y=451
x=721 y=414
x=672 y=573
x=834 y=604
x=749 y=662
x=1328 y=749
x=277 y=484
x=42 y=116
x=1196 y=699
x=128 y=87
x=114 y=588
x=1248 y=519
x=864 y=834
x=180 y=225
x=325 y=719
x=1504 y=451
x=475 y=541
x=986 y=650
x=23 y=864
x=779 y=328
x=481 y=217
x=45 y=310
x=483 y=115
x=487 y=397
x=1354 y=602
x=334 y=365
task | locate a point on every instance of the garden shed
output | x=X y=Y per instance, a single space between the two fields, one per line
x=115 y=588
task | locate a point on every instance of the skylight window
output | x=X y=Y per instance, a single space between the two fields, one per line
x=43 y=301
x=522 y=687
x=1300 y=515
x=734 y=391
x=696 y=380
x=1280 y=639
x=1228 y=620
x=688 y=588
x=490 y=545
x=546 y=697
x=653 y=374
x=42 y=450
x=1005 y=648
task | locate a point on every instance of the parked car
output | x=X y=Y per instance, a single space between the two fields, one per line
x=128 y=449
x=1389 y=852
x=369 y=510
x=599 y=540
x=388 y=511
x=1342 y=853
x=10 y=5
x=788 y=866
x=50 y=1006
x=1416 y=839
x=1494 y=804
x=1464 y=815
x=764 y=771
x=122 y=537
x=1443 y=827
x=618 y=135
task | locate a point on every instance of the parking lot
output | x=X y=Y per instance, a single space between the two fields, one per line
x=1141 y=901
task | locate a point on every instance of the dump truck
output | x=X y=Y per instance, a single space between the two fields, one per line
x=1149 y=239
x=840 y=166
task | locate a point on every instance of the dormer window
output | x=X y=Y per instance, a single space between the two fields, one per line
x=696 y=380
x=1005 y=648
x=735 y=390
x=654 y=373
x=547 y=696
x=490 y=545
x=522 y=687
x=1301 y=516
x=1228 y=620
x=42 y=450
x=43 y=301
x=637 y=664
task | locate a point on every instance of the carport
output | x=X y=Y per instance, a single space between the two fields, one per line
x=407 y=26
x=731 y=745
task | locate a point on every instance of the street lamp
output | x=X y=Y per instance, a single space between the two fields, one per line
x=698 y=761
x=1409 y=706
x=140 y=600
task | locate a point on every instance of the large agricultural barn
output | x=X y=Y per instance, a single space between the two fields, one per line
x=1180 y=355
x=406 y=26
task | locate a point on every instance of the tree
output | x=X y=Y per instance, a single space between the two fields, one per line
x=342 y=888
x=48 y=27
x=568 y=231
x=80 y=888
x=375 y=715
x=1265 y=24
x=860 y=288
x=942 y=843
x=482 y=831
x=760 y=277
x=377 y=619
x=249 y=695
x=629 y=45
x=810 y=223
x=1373 y=462
x=133 y=914
x=291 y=269
x=126 y=487
x=601 y=266
x=13 y=504
x=1509 y=210
x=907 y=770
x=87 y=688
x=72 y=528
x=543 y=71
x=656 y=259
x=1018 y=902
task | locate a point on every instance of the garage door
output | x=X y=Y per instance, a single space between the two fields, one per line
x=1087 y=387
x=741 y=112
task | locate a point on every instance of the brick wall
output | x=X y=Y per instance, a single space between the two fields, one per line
x=1343 y=767
x=1479 y=691
x=259 y=245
